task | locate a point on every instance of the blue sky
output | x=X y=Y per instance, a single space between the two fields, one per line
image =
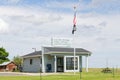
x=25 y=24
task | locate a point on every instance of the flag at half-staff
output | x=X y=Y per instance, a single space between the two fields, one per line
x=74 y=22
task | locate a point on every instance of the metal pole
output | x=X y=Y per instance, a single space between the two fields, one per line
x=40 y=73
x=80 y=74
x=74 y=60
x=113 y=73
x=55 y=62
x=40 y=68
x=80 y=67
x=74 y=28
x=43 y=67
x=86 y=63
x=106 y=63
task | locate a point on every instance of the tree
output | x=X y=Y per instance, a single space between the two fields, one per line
x=3 y=55
x=17 y=60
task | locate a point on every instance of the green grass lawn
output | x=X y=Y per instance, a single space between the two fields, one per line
x=93 y=74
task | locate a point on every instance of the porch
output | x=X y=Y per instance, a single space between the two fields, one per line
x=56 y=59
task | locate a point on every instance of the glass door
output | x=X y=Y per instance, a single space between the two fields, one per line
x=60 y=65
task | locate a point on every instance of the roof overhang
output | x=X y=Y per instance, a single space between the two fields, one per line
x=66 y=51
x=31 y=56
x=58 y=51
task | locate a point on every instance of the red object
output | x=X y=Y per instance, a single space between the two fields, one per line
x=74 y=23
x=74 y=20
x=8 y=66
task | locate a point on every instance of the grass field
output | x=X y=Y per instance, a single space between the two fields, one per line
x=93 y=74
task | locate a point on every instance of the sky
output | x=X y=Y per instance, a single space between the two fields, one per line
x=27 y=24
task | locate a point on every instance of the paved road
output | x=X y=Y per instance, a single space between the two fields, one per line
x=29 y=74
x=18 y=74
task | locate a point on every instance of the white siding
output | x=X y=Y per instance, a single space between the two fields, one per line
x=49 y=60
x=34 y=67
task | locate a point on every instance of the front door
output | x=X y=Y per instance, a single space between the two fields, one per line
x=60 y=65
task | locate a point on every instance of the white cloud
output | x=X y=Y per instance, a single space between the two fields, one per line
x=13 y=11
x=60 y=5
x=104 y=1
x=28 y=14
x=100 y=6
x=13 y=1
x=10 y=1
x=3 y=26
x=22 y=20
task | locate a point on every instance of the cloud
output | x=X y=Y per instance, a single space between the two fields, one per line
x=60 y=4
x=37 y=19
x=99 y=6
x=13 y=11
x=118 y=40
x=89 y=30
x=104 y=1
x=3 y=27
x=10 y=1
x=103 y=24
x=13 y=1
x=24 y=20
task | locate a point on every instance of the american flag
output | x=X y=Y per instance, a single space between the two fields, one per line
x=74 y=22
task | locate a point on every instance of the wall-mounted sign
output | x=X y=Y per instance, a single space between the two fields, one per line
x=61 y=42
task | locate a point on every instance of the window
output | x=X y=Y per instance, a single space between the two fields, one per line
x=31 y=61
x=70 y=63
x=40 y=60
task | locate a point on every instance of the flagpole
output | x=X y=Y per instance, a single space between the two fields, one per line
x=74 y=29
x=74 y=52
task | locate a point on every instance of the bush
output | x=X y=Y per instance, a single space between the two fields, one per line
x=107 y=70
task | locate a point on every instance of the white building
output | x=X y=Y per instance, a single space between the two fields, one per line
x=55 y=59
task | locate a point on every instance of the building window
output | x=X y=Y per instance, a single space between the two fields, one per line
x=31 y=61
x=70 y=63
x=40 y=60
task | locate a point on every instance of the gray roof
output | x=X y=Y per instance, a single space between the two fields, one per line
x=62 y=49
x=66 y=50
x=36 y=53
x=50 y=50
